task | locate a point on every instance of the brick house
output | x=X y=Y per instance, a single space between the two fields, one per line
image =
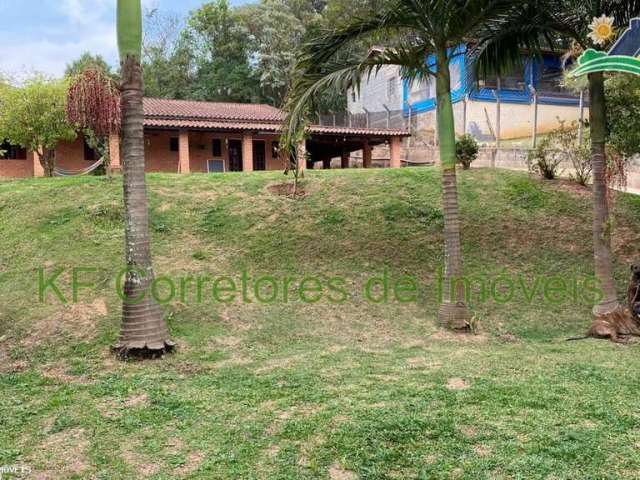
x=188 y=136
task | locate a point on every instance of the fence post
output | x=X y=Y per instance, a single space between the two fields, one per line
x=388 y=115
x=581 y=122
x=497 y=93
x=534 y=132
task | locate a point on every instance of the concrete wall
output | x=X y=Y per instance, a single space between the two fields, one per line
x=374 y=92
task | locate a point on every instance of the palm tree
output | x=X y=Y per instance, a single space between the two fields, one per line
x=428 y=29
x=543 y=23
x=144 y=331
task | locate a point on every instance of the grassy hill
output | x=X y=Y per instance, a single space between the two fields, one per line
x=313 y=389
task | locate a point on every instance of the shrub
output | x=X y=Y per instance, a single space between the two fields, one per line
x=544 y=161
x=466 y=150
x=562 y=144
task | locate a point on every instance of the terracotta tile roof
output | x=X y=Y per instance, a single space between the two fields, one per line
x=156 y=107
x=359 y=131
x=236 y=117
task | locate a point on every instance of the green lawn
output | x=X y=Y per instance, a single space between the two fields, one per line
x=314 y=390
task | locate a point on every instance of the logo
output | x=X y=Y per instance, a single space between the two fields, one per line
x=622 y=57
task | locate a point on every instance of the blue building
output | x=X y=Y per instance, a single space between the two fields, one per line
x=505 y=107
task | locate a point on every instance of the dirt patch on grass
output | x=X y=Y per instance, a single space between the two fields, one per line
x=336 y=472
x=58 y=373
x=64 y=454
x=287 y=190
x=465 y=338
x=458 y=384
x=142 y=465
x=136 y=401
x=482 y=450
x=564 y=185
x=77 y=321
x=192 y=463
x=625 y=243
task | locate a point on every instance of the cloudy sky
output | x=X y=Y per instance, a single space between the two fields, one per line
x=45 y=35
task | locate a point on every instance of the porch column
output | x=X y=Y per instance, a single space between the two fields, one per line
x=114 y=151
x=344 y=160
x=394 y=151
x=247 y=152
x=183 y=152
x=366 y=155
x=38 y=170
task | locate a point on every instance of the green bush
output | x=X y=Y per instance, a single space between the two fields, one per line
x=466 y=150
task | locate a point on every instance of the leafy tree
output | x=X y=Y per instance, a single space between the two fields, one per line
x=167 y=59
x=540 y=23
x=144 y=331
x=429 y=29
x=623 y=104
x=277 y=32
x=87 y=61
x=222 y=48
x=33 y=116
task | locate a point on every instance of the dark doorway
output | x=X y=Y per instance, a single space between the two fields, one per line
x=235 y=156
x=259 y=162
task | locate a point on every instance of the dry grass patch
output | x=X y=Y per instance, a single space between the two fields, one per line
x=336 y=472
x=457 y=384
x=79 y=321
x=62 y=455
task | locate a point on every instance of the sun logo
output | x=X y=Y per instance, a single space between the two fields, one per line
x=601 y=30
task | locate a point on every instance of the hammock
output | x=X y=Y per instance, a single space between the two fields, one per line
x=76 y=173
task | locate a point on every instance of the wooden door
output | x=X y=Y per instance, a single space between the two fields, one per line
x=235 y=156
x=259 y=158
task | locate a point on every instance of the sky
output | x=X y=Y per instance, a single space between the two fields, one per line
x=45 y=35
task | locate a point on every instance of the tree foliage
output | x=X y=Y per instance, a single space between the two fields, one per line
x=623 y=103
x=240 y=53
x=34 y=117
x=87 y=61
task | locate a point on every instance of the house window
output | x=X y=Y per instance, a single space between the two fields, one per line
x=512 y=80
x=12 y=152
x=174 y=144
x=422 y=89
x=275 y=149
x=392 y=88
x=90 y=154
x=217 y=147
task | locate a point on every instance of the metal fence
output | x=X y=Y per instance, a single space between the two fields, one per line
x=384 y=119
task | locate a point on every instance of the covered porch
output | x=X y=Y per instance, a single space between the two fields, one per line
x=211 y=150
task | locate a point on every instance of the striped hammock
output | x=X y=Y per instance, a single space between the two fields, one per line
x=60 y=172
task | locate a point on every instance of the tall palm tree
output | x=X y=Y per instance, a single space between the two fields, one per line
x=542 y=23
x=144 y=331
x=428 y=29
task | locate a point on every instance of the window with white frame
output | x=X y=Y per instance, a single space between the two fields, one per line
x=392 y=88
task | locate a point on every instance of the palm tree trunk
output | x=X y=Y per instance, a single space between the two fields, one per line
x=601 y=221
x=453 y=312
x=144 y=330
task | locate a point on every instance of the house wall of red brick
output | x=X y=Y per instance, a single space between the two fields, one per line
x=70 y=155
x=160 y=158
x=17 y=168
x=158 y=154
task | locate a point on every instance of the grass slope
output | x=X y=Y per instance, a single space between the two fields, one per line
x=297 y=390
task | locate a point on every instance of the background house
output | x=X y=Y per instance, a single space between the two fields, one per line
x=495 y=110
